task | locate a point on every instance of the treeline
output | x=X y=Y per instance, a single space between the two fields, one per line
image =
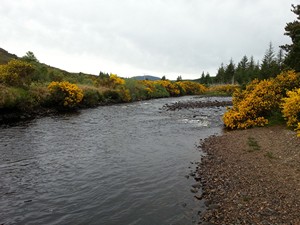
x=248 y=69
x=271 y=99
x=272 y=64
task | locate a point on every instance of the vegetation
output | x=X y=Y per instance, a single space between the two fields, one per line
x=292 y=60
x=27 y=85
x=267 y=97
x=64 y=94
x=255 y=105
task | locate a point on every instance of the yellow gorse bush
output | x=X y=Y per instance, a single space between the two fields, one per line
x=226 y=88
x=170 y=86
x=250 y=109
x=291 y=108
x=65 y=94
x=16 y=73
x=115 y=81
x=252 y=105
x=298 y=130
x=112 y=81
x=192 y=88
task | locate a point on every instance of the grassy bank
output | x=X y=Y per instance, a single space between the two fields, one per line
x=29 y=87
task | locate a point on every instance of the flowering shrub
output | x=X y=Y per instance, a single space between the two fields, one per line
x=298 y=130
x=16 y=73
x=287 y=81
x=291 y=108
x=252 y=106
x=111 y=81
x=192 y=88
x=124 y=94
x=154 y=89
x=226 y=89
x=115 y=81
x=65 y=94
x=170 y=86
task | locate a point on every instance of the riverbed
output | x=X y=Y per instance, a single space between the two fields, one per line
x=120 y=164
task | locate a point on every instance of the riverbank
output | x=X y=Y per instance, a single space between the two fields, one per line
x=251 y=177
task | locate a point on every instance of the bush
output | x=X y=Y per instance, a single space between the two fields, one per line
x=113 y=81
x=137 y=89
x=16 y=99
x=91 y=97
x=254 y=105
x=16 y=73
x=191 y=88
x=291 y=108
x=111 y=96
x=65 y=95
x=251 y=106
x=124 y=94
x=154 y=89
x=226 y=89
x=170 y=86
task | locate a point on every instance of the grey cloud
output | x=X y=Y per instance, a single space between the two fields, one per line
x=168 y=36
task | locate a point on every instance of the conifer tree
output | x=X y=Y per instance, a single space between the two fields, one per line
x=292 y=30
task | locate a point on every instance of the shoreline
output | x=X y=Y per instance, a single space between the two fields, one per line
x=251 y=177
x=9 y=116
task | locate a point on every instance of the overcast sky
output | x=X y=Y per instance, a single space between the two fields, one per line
x=131 y=37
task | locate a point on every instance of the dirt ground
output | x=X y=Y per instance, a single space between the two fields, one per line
x=251 y=177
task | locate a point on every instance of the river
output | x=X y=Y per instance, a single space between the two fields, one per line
x=121 y=164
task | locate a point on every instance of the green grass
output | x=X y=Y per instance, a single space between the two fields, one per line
x=276 y=118
x=217 y=94
x=270 y=155
x=252 y=143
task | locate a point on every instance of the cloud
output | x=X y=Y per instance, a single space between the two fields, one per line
x=159 y=36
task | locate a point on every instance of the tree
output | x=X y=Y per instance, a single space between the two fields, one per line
x=253 y=69
x=202 y=78
x=220 y=77
x=292 y=30
x=179 y=78
x=241 y=73
x=280 y=59
x=229 y=72
x=30 y=57
x=163 y=77
x=207 y=79
x=269 y=66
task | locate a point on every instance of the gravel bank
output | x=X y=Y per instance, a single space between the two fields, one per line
x=252 y=177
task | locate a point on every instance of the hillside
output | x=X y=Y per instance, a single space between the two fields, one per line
x=5 y=56
x=146 y=77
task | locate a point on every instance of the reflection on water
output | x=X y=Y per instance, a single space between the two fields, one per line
x=122 y=164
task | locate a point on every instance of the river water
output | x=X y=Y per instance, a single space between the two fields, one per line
x=120 y=164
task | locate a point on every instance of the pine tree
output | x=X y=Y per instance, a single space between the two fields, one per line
x=269 y=66
x=241 y=73
x=179 y=78
x=30 y=57
x=280 y=59
x=229 y=72
x=292 y=29
x=220 y=77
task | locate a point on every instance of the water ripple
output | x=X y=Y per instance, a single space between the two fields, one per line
x=123 y=164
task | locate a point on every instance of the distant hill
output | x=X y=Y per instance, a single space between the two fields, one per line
x=146 y=77
x=5 y=56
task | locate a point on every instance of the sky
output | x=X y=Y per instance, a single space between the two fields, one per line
x=145 y=37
